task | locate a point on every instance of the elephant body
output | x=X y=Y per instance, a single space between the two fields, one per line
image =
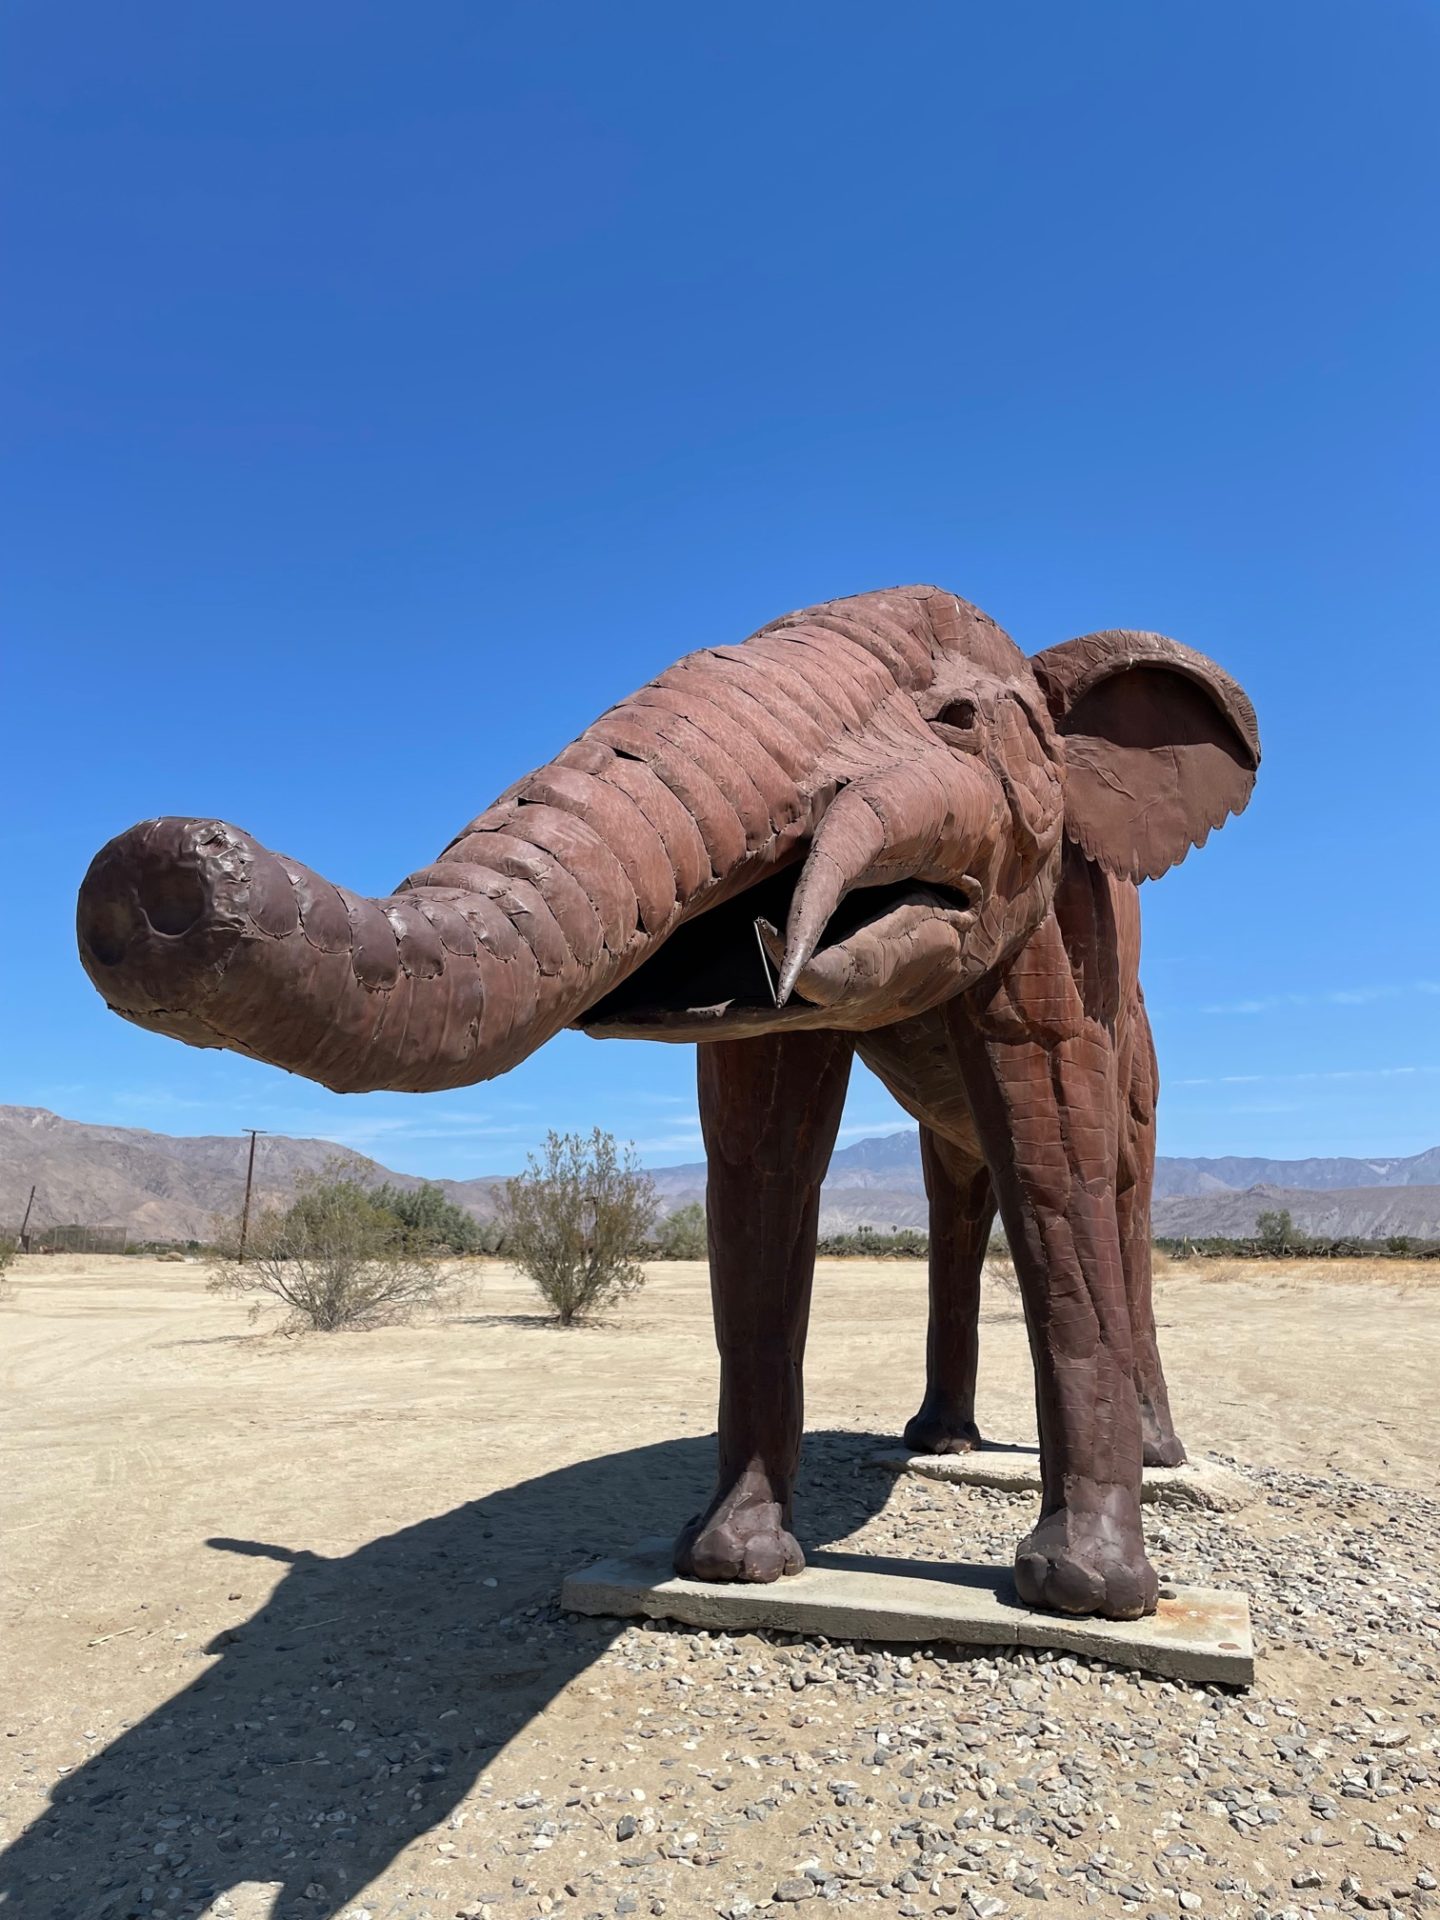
x=875 y=826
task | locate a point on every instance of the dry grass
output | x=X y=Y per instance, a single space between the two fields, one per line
x=1406 y=1276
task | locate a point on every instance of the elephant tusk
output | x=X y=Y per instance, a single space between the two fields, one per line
x=762 y=928
x=923 y=819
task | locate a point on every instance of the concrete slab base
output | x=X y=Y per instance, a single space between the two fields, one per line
x=1197 y=1634
x=1199 y=1483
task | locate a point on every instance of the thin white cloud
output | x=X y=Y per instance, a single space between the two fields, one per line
x=157 y=1100
x=347 y=1118
x=672 y=1143
x=1268 y=1106
x=1333 y=1073
x=381 y=1132
x=1330 y=997
x=687 y=1138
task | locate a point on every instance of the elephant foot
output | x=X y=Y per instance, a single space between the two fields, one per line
x=1079 y=1561
x=1162 y=1446
x=740 y=1536
x=936 y=1429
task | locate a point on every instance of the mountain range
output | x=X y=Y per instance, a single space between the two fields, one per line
x=160 y=1186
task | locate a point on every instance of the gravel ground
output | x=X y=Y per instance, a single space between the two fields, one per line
x=395 y=1732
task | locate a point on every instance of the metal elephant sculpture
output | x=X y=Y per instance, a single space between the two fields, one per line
x=874 y=827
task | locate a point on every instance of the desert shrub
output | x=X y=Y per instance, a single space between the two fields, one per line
x=1301 y=1246
x=74 y=1237
x=681 y=1235
x=864 y=1243
x=489 y=1237
x=432 y=1223
x=999 y=1268
x=333 y=1258
x=1222 y=1270
x=1277 y=1231
x=575 y=1221
x=9 y=1247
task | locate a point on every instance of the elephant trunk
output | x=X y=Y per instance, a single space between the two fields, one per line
x=705 y=782
x=191 y=928
x=538 y=910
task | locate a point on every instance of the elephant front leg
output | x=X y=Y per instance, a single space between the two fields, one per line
x=962 y=1208
x=1043 y=1094
x=770 y=1110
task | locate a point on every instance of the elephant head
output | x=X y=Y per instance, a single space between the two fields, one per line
x=842 y=822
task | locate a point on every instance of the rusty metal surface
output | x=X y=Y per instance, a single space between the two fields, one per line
x=874 y=825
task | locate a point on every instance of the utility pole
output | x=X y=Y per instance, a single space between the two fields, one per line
x=24 y=1241
x=253 y=1132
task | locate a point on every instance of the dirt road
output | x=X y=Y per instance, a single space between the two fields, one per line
x=280 y=1623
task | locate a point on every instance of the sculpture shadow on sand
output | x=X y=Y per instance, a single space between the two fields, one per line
x=247 y=1776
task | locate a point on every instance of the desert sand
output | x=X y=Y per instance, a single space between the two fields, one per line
x=280 y=1617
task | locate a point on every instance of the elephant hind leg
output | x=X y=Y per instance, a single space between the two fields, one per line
x=1162 y=1445
x=962 y=1210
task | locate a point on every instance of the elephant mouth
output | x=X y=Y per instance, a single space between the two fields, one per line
x=715 y=977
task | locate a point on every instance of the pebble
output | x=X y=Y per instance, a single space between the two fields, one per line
x=722 y=1773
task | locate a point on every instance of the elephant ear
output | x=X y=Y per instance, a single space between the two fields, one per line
x=1160 y=746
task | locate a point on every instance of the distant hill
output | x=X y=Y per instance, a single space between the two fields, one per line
x=1328 y=1213
x=1311 y=1176
x=877 y=1183
x=162 y=1186
x=893 y=1160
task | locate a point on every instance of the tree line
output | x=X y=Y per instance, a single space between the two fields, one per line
x=578 y=1222
x=1276 y=1237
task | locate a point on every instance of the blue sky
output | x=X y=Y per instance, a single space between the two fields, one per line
x=390 y=389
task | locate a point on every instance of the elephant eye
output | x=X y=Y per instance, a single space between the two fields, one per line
x=959 y=714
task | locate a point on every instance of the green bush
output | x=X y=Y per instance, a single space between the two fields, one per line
x=1277 y=1231
x=575 y=1221
x=681 y=1235
x=864 y=1243
x=430 y=1219
x=334 y=1258
x=1223 y=1247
